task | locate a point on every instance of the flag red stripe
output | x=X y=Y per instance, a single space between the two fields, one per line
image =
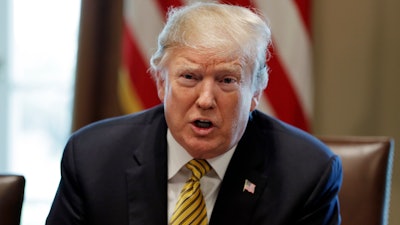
x=245 y=3
x=136 y=66
x=304 y=8
x=166 y=4
x=282 y=96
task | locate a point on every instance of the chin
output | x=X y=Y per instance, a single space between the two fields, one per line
x=205 y=152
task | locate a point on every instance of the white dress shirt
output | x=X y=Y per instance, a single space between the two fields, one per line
x=178 y=174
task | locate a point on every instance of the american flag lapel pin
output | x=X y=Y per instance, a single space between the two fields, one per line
x=249 y=186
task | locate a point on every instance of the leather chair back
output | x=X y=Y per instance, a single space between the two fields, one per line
x=12 y=188
x=367 y=166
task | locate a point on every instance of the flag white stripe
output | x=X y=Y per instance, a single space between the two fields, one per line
x=146 y=20
x=293 y=44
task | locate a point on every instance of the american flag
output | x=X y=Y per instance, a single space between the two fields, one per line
x=249 y=186
x=289 y=92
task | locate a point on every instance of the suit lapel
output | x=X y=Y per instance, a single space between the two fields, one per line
x=235 y=205
x=147 y=177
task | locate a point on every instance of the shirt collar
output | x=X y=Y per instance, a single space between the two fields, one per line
x=178 y=157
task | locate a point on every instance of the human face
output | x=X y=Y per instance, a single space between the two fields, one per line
x=207 y=100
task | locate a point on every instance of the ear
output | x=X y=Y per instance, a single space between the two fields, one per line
x=160 y=82
x=255 y=100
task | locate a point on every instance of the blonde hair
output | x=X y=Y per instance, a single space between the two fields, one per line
x=223 y=29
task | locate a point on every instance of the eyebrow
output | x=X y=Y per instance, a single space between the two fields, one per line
x=184 y=67
x=229 y=67
x=232 y=68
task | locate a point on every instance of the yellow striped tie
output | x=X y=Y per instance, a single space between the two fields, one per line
x=191 y=207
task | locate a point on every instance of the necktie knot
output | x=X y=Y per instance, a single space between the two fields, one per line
x=199 y=168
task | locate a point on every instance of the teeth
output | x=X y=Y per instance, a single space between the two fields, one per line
x=203 y=123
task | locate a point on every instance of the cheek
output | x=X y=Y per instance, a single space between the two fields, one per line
x=169 y=92
x=233 y=108
x=239 y=110
x=177 y=98
x=245 y=101
x=172 y=93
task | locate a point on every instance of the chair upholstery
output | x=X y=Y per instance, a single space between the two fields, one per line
x=367 y=166
x=12 y=188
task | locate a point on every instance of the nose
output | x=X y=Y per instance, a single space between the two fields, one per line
x=206 y=95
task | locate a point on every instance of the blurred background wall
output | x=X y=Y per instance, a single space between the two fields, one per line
x=357 y=73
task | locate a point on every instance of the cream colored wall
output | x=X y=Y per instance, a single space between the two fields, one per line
x=357 y=73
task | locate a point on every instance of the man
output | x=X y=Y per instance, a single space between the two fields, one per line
x=249 y=168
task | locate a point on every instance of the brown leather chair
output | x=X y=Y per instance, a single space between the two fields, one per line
x=12 y=188
x=367 y=166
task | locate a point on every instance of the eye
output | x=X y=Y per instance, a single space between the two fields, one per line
x=228 y=80
x=188 y=79
x=188 y=76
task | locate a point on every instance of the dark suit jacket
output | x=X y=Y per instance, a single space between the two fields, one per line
x=114 y=172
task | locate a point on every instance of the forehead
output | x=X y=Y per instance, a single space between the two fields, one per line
x=202 y=58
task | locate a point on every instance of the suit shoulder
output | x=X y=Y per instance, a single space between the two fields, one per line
x=117 y=135
x=287 y=137
x=142 y=118
x=285 y=146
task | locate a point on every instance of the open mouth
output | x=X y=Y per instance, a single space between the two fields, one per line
x=203 y=123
